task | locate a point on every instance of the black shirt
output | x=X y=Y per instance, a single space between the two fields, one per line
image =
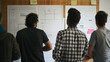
x=31 y=44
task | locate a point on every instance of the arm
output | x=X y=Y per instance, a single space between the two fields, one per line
x=47 y=43
x=90 y=51
x=92 y=43
x=47 y=46
x=90 y=55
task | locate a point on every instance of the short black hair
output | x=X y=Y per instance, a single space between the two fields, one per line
x=31 y=19
x=73 y=17
x=101 y=18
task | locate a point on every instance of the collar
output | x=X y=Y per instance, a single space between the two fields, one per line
x=102 y=28
x=72 y=28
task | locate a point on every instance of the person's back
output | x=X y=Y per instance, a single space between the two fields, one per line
x=31 y=41
x=31 y=44
x=71 y=44
x=9 y=50
x=99 y=45
x=102 y=48
x=7 y=42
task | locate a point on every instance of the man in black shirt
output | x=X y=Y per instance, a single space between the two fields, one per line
x=31 y=41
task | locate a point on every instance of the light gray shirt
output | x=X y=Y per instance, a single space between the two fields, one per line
x=100 y=39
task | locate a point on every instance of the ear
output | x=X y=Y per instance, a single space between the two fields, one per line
x=35 y=24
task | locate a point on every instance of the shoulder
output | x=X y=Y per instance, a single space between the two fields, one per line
x=80 y=32
x=22 y=30
x=108 y=31
x=9 y=35
x=62 y=31
x=95 y=33
x=40 y=30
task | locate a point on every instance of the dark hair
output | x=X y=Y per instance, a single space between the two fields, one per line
x=73 y=17
x=31 y=19
x=101 y=18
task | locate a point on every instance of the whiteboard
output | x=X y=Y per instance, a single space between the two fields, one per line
x=105 y=6
x=87 y=21
x=50 y=20
x=17 y=15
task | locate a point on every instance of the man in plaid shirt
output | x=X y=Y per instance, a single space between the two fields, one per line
x=71 y=44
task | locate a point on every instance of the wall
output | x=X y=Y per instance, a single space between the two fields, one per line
x=4 y=4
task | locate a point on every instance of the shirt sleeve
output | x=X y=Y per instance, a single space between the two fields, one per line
x=18 y=37
x=57 y=49
x=92 y=41
x=45 y=38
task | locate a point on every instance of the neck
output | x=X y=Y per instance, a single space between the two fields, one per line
x=72 y=26
x=101 y=26
x=35 y=26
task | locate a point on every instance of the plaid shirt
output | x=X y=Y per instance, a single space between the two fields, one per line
x=71 y=46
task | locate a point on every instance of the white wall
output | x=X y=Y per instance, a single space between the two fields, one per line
x=105 y=6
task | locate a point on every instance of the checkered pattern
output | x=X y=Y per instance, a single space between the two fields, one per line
x=71 y=45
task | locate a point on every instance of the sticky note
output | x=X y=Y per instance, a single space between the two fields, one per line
x=73 y=2
x=93 y=2
x=90 y=31
x=33 y=1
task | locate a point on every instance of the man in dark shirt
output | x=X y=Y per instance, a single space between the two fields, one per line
x=31 y=41
x=9 y=49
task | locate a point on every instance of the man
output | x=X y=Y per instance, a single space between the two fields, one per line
x=9 y=50
x=99 y=44
x=71 y=43
x=31 y=41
